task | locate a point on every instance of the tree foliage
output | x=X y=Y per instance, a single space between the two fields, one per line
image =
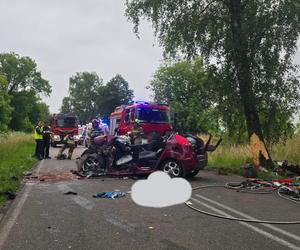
x=84 y=88
x=251 y=42
x=21 y=85
x=185 y=87
x=5 y=108
x=28 y=111
x=89 y=97
x=114 y=93
x=22 y=74
x=66 y=106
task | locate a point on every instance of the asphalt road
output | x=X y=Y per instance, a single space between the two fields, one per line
x=42 y=217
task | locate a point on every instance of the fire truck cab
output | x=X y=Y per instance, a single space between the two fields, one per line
x=153 y=118
x=62 y=124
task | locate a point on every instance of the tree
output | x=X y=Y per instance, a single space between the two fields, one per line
x=185 y=87
x=253 y=41
x=39 y=112
x=28 y=111
x=90 y=98
x=84 y=89
x=5 y=108
x=24 y=84
x=66 y=105
x=115 y=93
x=22 y=75
x=24 y=102
x=297 y=130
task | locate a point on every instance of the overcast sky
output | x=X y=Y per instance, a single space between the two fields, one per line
x=69 y=36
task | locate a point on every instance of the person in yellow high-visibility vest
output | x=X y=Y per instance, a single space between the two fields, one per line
x=38 y=136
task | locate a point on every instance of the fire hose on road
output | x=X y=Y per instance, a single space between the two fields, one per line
x=259 y=188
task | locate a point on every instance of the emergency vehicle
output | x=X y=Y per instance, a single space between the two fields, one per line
x=153 y=118
x=62 y=124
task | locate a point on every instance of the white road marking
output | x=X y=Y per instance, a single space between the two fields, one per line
x=255 y=229
x=5 y=230
x=83 y=202
x=286 y=233
x=63 y=187
x=120 y=223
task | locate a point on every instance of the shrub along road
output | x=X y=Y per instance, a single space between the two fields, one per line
x=42 y=217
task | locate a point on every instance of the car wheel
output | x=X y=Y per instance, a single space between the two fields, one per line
x=173 y=168
x=92 y=163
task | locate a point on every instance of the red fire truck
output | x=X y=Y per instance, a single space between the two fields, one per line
x=153 y=118
x=62 y=124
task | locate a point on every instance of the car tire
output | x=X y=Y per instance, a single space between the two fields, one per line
x=173 y=168
x=92 y=163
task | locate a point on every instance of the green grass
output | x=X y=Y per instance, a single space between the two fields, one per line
x=289 y=151
x=16 y=150
x=231 y=157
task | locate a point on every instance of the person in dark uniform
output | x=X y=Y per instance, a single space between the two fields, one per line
x=46 y=141
x=38 y=136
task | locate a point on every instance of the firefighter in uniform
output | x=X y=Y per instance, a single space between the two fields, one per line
x=96 y=129
x=135 y=136
x=69 y=142
x=136 y=133
x=38 y=136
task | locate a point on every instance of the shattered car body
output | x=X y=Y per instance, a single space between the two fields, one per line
x=177 y=155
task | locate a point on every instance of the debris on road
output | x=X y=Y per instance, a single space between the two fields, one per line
x=283 y=169
x=27 y=173
x=87 y=175
x=70 y=192
x=110 y=195
x=286 y=188
x=77 y=173
x=52 y=177
x=295 y=169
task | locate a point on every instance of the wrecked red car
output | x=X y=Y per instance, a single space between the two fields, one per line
x=177 y=155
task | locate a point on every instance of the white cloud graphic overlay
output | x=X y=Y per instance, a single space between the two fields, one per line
x=159 y=190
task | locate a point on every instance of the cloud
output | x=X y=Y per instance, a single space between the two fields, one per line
x=159 y=190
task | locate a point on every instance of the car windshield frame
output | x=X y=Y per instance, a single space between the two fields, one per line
x=164 y=116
